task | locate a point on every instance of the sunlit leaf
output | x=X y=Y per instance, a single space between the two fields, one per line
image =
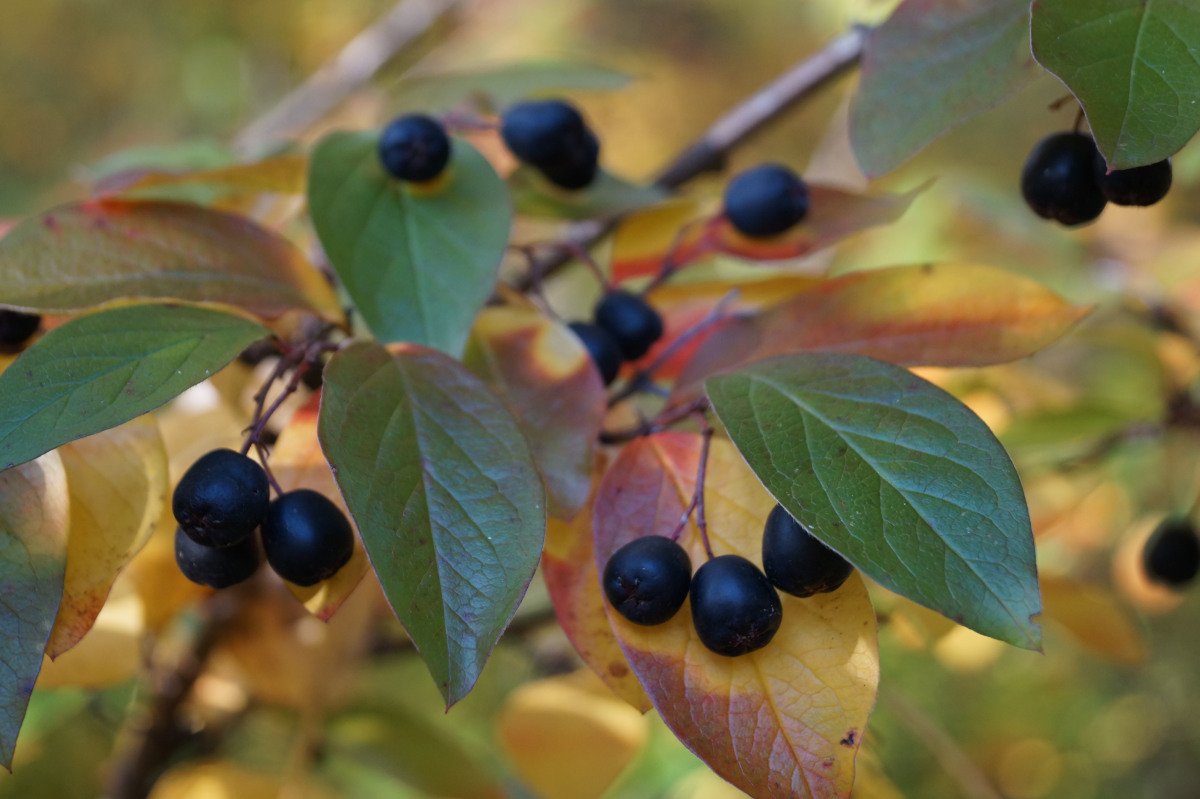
x=927 y=315
x=896 y=475
x=89 y=253
x=569 y=569
x=34 y=517
x=544 y=375
x=418 y=261
x=281 y=174
x=503 y=83
x=931 y=66
x=1132 y=64
x=786 y=720
x=834 y=215
x=298 y=462
x=110 y=654
x=102 y=370
x=442 y=485
x=118 y=484
x=566 y=739
x=223 y=779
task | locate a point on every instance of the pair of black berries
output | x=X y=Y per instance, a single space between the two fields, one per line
x=1067 y=180
x=220 y=502
x=1171 y=556
x=735 y=608
x=550 y=135
x=623 y=328
x=17 y=328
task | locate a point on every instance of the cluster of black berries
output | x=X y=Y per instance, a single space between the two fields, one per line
x=765 y=201
x=623 y=328
x=1066 y=179
x=220 y=502
x=17 y=328
x=550 y=135
x=735 y=608
x=1171 y=556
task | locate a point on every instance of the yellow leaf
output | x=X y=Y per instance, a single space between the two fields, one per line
x=117 y=480
x=225 y=780
x=282 y=174
x=109 y=654
x=1094 y=618
x=568 y=740
x=785 y=720
x=569 y=569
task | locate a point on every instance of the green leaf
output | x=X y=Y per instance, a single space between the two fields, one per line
x=896 y=475
x=443 y=488
x=77 y=256
x=502 y=84
x=1133 y=64
x=609 y=195
x=418 y=261
x=33 y=557
x=102 y=370
x=931 y=66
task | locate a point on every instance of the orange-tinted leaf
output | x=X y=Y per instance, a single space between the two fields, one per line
x=89 y=253
x=1094 y=618
x=117 y=480
x=282 y=174
x=297 y=462
x=569 y=569
x=542 y=372
x=834 y=215
x=927 y=315
x=786 y=720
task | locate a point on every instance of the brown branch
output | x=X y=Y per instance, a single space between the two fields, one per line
x=708 y=153
x=152 y=732
x=356 y=64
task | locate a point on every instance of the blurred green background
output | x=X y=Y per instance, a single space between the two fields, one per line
x=81 y=79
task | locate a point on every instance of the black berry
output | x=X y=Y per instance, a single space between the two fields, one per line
x=221 y=498
x=314 y=376
x=1059 y=179
x=218 y=567
x=307 y=538
x=631 y=322
x=258 y=352
x=1172 y=553
x=414 y=147
x=16 y=328
x=1142 y=185
x=795 y=561
x=734 y=608
x=604 y=352
x=766 y=200
x=647 y=579
x=553 y=136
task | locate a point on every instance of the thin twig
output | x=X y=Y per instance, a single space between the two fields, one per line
x=701 y=471
x=356 y=64
x=668 y=418
x=708 y=153
x=954 y=761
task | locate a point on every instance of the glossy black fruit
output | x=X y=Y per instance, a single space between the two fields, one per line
x=258 y=352
x=600 y=346
x=307 y=538
x=647 y=579
x=1142 y=185
x=314 y=376
x=414 y=147
x=16 y=328
x=631 y=321
x=218 y=567
x=1059 y=179
x=579 y=167
x=553 y=136
x=766 y=200
x=734 y=608
x=795 y=561
x=1172 y=553
x=221 y=498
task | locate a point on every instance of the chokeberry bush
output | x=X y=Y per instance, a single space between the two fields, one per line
x=452 y=347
